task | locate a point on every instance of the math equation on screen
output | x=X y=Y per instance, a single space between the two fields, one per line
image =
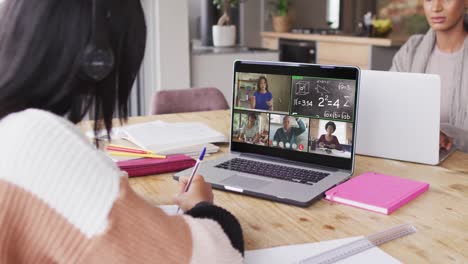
x=323 y=98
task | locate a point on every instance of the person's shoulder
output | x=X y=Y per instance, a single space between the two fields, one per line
x=414 y=41
x=28 y=116
x=403 y=58
x=28 y=121
x=37 y=124
x=52 y=157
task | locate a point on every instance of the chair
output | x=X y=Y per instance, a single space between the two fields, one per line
x=188 y=100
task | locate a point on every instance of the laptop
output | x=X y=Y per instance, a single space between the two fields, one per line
x=399 y=117
x=279 y=148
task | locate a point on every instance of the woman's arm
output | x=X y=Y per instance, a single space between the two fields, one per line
x=228 y=222
x=198 y=202
x=459 y=135
x=270 y=102
x=320 y=141
x=256 y=138
x=252 y=101
x=241 y=136
x=337 y=143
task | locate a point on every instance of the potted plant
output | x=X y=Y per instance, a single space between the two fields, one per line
x=280 y=15
x=224 y=33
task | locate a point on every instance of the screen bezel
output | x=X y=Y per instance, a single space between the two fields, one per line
x=296 y=69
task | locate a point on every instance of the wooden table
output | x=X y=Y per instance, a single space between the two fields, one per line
x=440 y=215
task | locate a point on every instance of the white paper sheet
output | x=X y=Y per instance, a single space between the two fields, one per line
x=170 y=209
x=294 y=253
x=160 y=136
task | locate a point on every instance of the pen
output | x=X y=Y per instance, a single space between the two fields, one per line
x=194 y=171
x=128 y=149
x=127 y=154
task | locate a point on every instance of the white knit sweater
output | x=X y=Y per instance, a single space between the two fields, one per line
x=63 y=201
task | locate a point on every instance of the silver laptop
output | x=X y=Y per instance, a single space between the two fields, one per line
x=399 y=117
x=280 y=148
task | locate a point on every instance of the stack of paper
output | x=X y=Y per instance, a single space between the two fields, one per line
x=193 y=151
x=170 y=138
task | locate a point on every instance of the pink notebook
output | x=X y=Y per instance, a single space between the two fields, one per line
x=376 y=192
x=143 y=167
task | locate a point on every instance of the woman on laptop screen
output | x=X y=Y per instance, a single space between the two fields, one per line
x=62 y=200
x=329 y=140
x=262 y=99
x=249 y=133
x=443 y=50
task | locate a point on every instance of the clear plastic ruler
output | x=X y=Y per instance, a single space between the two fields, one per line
x=355 y=247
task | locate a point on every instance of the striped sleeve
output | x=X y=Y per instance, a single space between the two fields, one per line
x=64 y=202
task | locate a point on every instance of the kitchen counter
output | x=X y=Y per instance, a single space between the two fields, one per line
x=206 y=50
x=380 y=42
x=366 y=53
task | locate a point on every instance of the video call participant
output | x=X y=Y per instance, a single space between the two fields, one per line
x=62 y=200
x=287 y=135
x=249 y=133
x=262 y=99
x=328 y=140
x=443 y=50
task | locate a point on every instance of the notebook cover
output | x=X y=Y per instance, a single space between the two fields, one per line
x=148 y=166
x=383 y=192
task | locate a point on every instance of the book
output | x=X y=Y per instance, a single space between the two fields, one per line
x=145 y=166
x=377 y=192
x=168 y=138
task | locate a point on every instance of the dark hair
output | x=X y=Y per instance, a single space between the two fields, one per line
x=41 y=43
x=465 y=21
x=266 y=82
x=254 y=115
x=332 y=124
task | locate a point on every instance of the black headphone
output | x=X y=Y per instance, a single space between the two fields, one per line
x=98 y=57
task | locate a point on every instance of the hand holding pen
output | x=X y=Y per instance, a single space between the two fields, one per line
x=194 y=189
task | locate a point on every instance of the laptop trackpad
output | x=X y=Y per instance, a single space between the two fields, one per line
x=244 y=182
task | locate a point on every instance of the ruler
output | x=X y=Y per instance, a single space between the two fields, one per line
x=360 y=245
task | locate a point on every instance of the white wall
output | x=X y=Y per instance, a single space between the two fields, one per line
x=167 y=59
x=194 y=19
x=251 y=23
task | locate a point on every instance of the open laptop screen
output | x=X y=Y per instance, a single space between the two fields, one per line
x=298 y=112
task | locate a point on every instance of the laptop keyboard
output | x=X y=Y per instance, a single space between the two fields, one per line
x=273 y=171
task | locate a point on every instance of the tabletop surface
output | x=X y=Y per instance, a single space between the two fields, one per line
x=440 y=215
